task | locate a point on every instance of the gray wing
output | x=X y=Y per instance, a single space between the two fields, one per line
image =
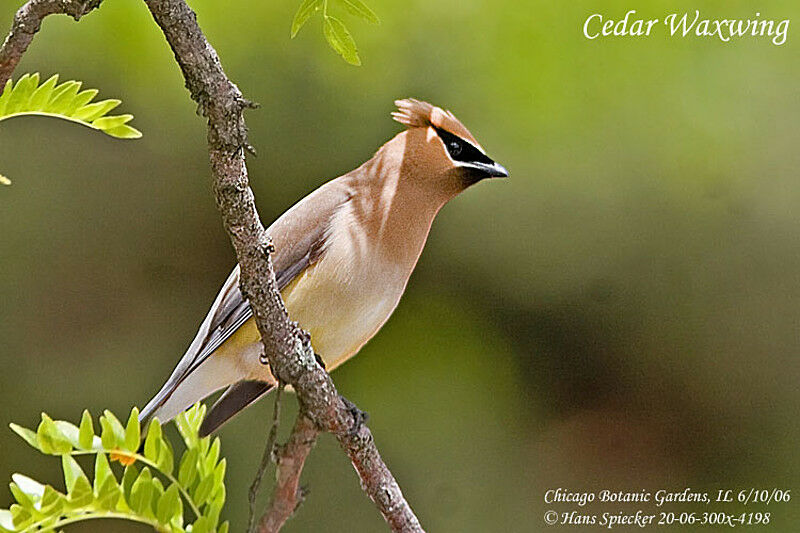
x=234 y=310
x=299 y=237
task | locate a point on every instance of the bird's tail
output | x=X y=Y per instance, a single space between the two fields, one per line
x=182 y=389
x=232 y=402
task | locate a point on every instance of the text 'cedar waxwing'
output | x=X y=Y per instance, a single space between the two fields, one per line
x=343 y=256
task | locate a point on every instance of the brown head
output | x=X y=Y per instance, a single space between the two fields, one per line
x=439 y=150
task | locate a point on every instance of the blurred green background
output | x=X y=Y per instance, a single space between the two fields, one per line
x=621 y=313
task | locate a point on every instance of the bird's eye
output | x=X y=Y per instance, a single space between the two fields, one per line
x=454 y=147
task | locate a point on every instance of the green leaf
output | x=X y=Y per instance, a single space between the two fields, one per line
x=158 y=449
x=123 y=132
x=80 y=100
x=141 y=493
x=53 y=502
x=21 y=516
x=69 y=431
x=218 y=496
x=203 y=490
x=86 y=432
x=72 y=472
x=102 y=471
x=195 y=416
x=338 y=36
x=81 y=494
x=188 y=424
x=132 y=432
x=155 y=495
x=360 y=9
x=108 y=494
x=107 y=436
x=50 y=438
x=212 y=513
x=91 y=112
x=63 y=96
x=65 y=101
x=165 y=457
x=219 y=474
x=129 y=477
x=22 y=498
x=213 y=456
x=201 y=525
x=153 y=440
x=42 y=95
x=169 y=506
x=114 y=426
x=29 y=486
x=5 y=96
x=106 y=123
x=187 y=471
x=21 y=93
x=224 y=528
x=215 y=505
x=26 y=434
x=304 y=12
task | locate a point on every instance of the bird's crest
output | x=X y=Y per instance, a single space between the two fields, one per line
x=418 y=114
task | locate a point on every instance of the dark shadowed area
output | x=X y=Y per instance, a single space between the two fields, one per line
x=621 y=313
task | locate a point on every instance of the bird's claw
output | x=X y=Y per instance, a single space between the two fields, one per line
x=359 y=417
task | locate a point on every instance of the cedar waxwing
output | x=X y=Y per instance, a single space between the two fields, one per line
x=343 y=256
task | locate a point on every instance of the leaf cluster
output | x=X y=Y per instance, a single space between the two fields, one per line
x=334 y=30
x=66 y=101
x=149 y=485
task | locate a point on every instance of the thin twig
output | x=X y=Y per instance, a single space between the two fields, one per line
x=287 y=495
x=27 y=22
x=266 y=459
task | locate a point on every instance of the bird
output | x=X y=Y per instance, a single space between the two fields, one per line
x=343 y=256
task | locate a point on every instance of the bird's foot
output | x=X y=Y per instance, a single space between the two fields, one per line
x=359 y=417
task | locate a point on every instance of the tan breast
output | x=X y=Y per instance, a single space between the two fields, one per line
x=344 y=298
x=371 y=247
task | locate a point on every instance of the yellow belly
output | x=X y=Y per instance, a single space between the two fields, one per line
x=340 y=316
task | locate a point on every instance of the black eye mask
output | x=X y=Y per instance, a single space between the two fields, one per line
x=460 y=150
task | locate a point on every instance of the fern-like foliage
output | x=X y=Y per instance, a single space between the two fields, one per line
x=147 y=490
x=334 y=30
x=66 y=101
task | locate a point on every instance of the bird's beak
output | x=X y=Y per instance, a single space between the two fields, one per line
x=493 y=169
x=497 y=171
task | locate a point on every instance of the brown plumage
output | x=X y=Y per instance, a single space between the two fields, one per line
x=343 y=257
x=417 y=114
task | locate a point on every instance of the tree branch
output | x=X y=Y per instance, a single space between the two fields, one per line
x=266 y=459
x=27 y=22
x=290 y=457
x=288 y=348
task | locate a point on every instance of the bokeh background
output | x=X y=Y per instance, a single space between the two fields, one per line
x=621 y=313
